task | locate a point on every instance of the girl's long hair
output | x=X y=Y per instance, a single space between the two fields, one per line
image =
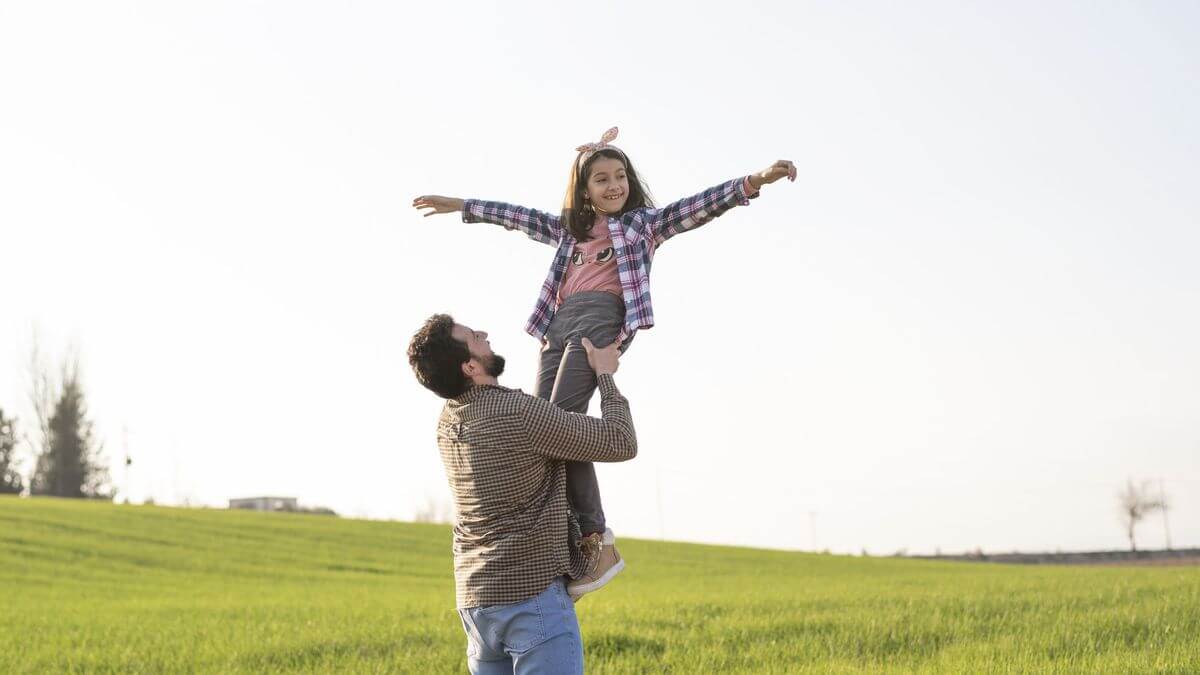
x=577 y=214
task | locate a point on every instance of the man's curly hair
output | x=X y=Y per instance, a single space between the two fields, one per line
x=436 y=357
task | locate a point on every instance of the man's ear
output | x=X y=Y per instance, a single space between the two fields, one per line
x=469 y=368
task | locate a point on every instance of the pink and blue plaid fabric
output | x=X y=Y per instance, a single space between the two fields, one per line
x=635 y=236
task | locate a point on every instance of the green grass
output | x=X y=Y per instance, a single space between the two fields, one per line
x=95 y=587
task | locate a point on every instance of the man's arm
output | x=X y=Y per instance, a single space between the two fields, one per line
x=558 y=434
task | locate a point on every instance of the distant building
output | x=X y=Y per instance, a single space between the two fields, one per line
x=265 y=504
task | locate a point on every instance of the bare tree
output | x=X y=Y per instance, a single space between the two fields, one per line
x=41 y=393
x=1136 y=502
x=1166 y=505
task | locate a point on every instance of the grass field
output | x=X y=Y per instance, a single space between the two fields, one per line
x=95 y=587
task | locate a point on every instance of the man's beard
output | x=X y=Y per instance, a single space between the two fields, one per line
x=494 y=366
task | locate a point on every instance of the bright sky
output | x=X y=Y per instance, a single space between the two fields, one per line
x=971 y=319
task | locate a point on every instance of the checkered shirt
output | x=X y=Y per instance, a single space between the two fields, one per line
x=635 y=236
x=503 y=451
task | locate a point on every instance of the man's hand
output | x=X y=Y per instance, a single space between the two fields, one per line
x=773 y=173
x=437 y=204
x=603 y=361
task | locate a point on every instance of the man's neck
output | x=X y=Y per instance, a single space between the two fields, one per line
x=484 y=381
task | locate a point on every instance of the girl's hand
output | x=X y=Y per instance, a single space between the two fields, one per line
x=773 y=173
x=437 y=204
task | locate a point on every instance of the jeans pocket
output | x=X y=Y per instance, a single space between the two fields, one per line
x=525 y=626
x=473 y=648
x=558 y=613
x=560 y=593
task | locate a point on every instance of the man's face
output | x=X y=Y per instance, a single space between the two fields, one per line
x=481 y=350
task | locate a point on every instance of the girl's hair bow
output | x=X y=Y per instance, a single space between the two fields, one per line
x=608 y=137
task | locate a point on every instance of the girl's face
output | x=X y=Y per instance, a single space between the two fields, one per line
x=607 y=185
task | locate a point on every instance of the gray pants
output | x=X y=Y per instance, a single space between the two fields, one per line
x=566 y=380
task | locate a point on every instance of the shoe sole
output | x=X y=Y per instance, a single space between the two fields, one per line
x=577 y=592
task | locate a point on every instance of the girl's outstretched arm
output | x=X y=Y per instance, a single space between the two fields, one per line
x=692 y=212
x=538 y=225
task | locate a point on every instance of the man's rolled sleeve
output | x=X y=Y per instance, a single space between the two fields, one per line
x=558 y=434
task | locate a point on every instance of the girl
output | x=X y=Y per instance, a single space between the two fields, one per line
x=599 y=288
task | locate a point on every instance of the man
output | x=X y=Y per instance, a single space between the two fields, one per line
x=504 y=454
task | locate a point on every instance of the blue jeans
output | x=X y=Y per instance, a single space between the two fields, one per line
x=538 y=635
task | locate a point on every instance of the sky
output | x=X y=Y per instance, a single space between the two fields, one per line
x=966 y=325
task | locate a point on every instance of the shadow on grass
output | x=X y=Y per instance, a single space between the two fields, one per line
x=315 y=654
x=615 y=646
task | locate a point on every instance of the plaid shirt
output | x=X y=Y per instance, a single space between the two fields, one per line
x=503 y=451
x=635 y=236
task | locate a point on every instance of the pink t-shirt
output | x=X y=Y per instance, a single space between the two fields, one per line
x=592 y=267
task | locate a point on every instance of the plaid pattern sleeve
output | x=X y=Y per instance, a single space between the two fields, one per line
x=513 y=529
x=692 y=212
x=559 y=434
x=537 y=225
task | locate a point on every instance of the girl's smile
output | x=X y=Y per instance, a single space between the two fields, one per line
x=608 y=185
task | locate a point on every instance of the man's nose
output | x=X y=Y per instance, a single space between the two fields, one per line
x=484 y=333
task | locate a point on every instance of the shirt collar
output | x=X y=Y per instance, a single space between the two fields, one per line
x=476 y=390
